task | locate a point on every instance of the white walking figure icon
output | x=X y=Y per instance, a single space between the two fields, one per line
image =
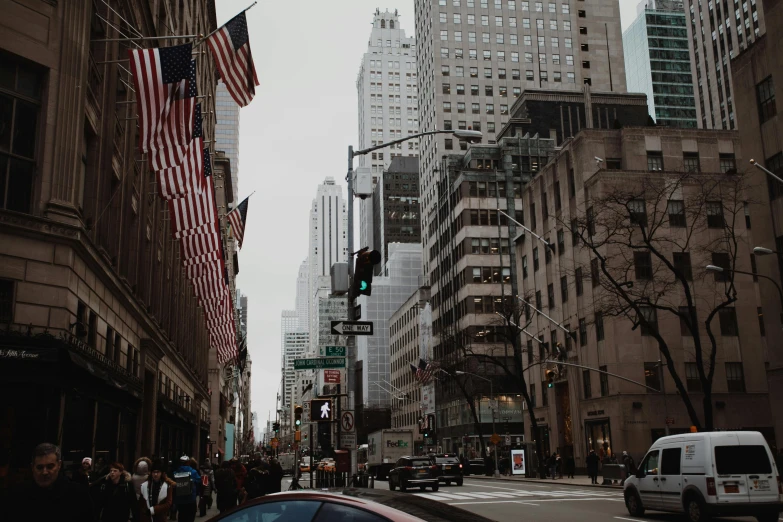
x=325 y=411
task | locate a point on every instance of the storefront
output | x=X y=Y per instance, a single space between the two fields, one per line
x=598 y=437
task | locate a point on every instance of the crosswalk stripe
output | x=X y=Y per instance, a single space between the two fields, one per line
x=476 y=495
x=430 y=496
x=448 y=496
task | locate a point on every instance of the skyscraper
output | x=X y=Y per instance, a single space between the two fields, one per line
x=302 y=297
x=328 y=244
x=227 y=132
x=294 y=344
x=657 y=62
x=388 y=103
x=481 y=54
x=717 y=32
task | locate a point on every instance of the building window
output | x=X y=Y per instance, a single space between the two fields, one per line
x=604 y=379
x=651 y=375
x=599 y=326
x=690 y=161
x=728 y=163
x=676 y=211
x=578 y=278
x=775 y=164
x=539 y=305
x=594 y=274
x=692 y=380
x=722 y=260
x=638 y=212
x=6 y=301
x=735 y=378
x=582 y=332
x=682 y=262
x=560 y=238
x=684 y=315
x=586 y=384
x=765 y=92
x=564 y=289
x=535 y=259
x=20 y=98
x=654 y=160
x=728 y=321
x=715 y=214
x=762 y=328
x=643 y=265
x=650 y=323
x=550 y=290
x=524 y=267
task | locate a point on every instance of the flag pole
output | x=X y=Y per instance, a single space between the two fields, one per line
x=219 y=28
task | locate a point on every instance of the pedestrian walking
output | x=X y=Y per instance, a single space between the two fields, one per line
x=117 y=501
x=141 y=472
x=592 y=466
x=570 y=466
x=559 y=465
x=186 y=484
x=553 y=465
x=157 y=494
x=259 y=480
x=275 y=475
x=630 y=465
x=225 y=487
x=207 y=486
x=84 y=474
x=50 y=495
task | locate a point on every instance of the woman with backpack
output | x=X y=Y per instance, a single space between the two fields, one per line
x=186 y=483
x=157 y=494
x=207 y=485
x=116 y=497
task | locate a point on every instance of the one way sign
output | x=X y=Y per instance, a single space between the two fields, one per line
x=351 y=327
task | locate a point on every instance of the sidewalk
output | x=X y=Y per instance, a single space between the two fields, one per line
x=581 y=481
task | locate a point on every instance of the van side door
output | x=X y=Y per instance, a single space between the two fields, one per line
x=670 y=484
x=649 y=484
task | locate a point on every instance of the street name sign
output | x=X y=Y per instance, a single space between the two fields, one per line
x=319 y=363
x=351 y=328
x=334 y=351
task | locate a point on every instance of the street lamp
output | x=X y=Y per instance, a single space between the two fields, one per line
x=461 y=134
x=767 y=171
x=492 y=394
x=714 y=268
x=761 y=251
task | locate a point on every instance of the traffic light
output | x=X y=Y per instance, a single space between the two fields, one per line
x=362 y=274
x=550 y=378
x=298 y=416
x=276 y=427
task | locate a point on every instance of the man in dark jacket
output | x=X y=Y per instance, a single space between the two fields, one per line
x=51 y=496
x=116 y=496
x=226 y=487
x=276 y=475
x=186 y=495
x=592 y=466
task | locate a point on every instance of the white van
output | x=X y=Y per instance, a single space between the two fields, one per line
x=724 y=473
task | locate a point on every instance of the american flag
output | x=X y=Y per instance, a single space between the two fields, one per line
x=169 y=157
x=196 y=208
x=237 y=218
x=423 y=372
x=165 y=95
x=180 y=180
x=230 y=47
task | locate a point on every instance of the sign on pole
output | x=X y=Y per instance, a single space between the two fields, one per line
x=352 y=328
x=334 y=351
x=332 y=376
x=495 y=439
x=319 y=363
x=347 y=421
x=347 y=440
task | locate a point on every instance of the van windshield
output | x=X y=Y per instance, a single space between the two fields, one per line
x=741 y=460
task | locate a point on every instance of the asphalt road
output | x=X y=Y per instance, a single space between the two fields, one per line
x=524 y=501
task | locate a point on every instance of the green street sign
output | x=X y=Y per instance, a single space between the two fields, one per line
x=320 y=363
x=334 y=351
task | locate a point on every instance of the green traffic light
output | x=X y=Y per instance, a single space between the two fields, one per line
x=363 y=285
x=550 y=385
x=298 y=422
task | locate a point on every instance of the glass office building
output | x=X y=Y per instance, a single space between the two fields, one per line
x=657 y=63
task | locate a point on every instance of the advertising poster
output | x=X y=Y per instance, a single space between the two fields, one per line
x=517 y=462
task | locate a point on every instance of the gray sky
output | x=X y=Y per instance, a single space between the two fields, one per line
x=292 y=135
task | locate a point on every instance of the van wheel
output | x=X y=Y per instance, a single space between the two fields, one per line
x=767 y=517
x=435 y=488
x=694 y=510
x=459 y=482
x=422 y=488
x=634 y=504
x=403 y=487
x=391 y=484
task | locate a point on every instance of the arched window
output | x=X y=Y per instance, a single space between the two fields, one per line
x=391 y=24
x=383 y=24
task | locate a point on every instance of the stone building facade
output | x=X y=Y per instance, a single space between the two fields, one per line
x=585 y=409
x=757 y=82
x=105 y=348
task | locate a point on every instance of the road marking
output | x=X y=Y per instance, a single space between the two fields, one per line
x=526 y=484
x=450 y=496
x=495 y=487
x=429 y=496
x=637 y=519
x=492 y=502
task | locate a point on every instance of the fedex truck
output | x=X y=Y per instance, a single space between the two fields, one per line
x=384 y=448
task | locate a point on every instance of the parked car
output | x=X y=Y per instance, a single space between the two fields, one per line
x=304 y=467
x=449 y=468
x=412 y=472
x=326 y=465
x=476 y=466
x=725 y=473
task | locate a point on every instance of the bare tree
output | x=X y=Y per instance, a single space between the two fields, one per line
x=643 y=232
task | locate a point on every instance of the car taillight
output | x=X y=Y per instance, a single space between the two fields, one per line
x=460 y=466
x=434 y=467
x=711 y=487
x=408 y=468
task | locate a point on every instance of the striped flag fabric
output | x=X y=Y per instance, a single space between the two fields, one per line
x=180 y=180
x=165 y=95
x=230 y=47
x=170 y=157
x=237 y=219
x=196 y=208
x=423 y=372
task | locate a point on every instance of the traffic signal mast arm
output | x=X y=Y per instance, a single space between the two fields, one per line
x=604 y=372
